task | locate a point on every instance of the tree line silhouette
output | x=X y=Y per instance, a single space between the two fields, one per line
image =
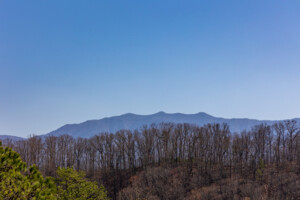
x=177 y=161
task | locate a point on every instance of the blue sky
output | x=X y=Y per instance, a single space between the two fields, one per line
x=70 y=61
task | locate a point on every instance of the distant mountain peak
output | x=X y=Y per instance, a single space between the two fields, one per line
x=160 y=113
x=203 y=113
x=128 y=114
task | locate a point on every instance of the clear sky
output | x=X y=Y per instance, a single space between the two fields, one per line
x=70 y=61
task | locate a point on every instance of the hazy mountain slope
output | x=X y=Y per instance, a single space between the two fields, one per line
x=10 y=137
x=133 y=121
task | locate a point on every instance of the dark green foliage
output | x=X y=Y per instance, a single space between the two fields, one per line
x=73 y=185
x=19 y=182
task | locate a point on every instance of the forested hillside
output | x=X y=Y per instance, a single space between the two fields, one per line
x=17 y=181
x=178 y=161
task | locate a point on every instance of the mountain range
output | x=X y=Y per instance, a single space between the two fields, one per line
x=133 y=121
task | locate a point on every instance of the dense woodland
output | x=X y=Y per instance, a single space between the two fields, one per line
x=21 y=182
x=178 y=161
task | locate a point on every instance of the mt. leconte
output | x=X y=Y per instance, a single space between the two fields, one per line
x=133 y=121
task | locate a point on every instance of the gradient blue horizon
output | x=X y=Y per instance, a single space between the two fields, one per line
x=69 y=61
